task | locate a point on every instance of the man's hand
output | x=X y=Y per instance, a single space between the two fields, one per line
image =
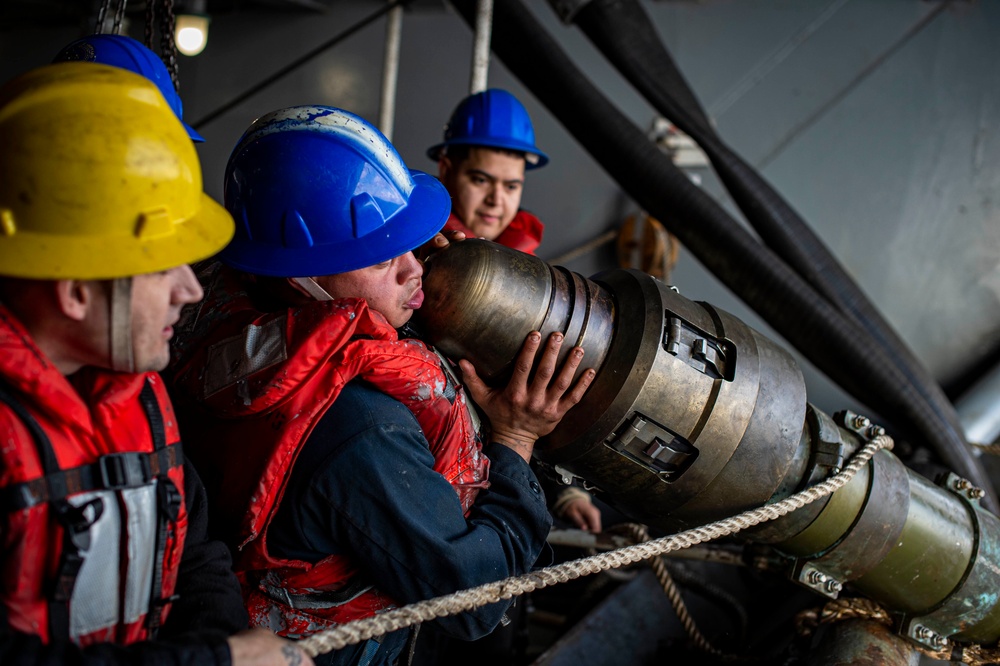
x=582 y=513
x=440 y=241
x=259 y=647
x=521 y=412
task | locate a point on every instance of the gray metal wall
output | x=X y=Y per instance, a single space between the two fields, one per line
x=877 y=120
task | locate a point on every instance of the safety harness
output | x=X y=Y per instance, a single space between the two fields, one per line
x=62 y=527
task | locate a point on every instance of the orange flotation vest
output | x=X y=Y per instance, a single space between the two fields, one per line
x=93 y=518
x=524 y=232
x=262 y=381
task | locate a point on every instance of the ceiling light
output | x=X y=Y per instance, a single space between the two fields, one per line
x=191 y=29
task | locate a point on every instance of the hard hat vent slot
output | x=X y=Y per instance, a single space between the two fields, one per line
x=365 y=214
x=295 y=231
x=154 y=224
x=7 y=222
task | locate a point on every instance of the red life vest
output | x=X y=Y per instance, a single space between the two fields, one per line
x=93 y=518
x=524 y=232
x=262 y=381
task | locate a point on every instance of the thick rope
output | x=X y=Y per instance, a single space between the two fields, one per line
x=991 y=449
x=464 y=600
x=839 y=610
x=641 y=534
x=976 y=655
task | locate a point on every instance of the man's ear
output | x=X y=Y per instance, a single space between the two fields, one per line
x=444 y=168
x=75 y=298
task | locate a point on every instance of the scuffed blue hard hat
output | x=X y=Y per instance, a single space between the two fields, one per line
x=127 y=53
x=493 y=118
x=317 y=190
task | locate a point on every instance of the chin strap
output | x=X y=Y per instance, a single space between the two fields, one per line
x=120 y=310
x=309 y=287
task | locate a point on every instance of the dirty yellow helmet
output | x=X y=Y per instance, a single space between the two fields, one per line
x=98 y=178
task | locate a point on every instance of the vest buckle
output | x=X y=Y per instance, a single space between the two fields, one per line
x=124 y=470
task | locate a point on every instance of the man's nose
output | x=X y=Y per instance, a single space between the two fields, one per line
x=410 y=268
x=187 y=289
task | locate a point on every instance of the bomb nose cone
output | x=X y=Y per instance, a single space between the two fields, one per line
x=482 y=300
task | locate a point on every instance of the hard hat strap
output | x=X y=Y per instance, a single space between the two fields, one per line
x=120 y=315
x=309 y=287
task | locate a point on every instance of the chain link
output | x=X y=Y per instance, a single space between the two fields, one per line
x=168 y=49
x=119 y=17
x=101 y=14
x=150 y=23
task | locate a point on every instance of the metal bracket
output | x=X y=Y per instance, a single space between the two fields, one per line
x=565 y=476
x=860 y=425
x=914 y=630
x=963 y=488
x=829 y=450
x=654 y=446
x=807 y=574
x=706 y=354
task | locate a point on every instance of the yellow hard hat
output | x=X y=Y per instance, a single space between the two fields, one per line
x=98 y=178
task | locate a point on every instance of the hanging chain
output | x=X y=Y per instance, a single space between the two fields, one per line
x=119 y=17
x=150 y=22
x=101 y=13
x=168 y=49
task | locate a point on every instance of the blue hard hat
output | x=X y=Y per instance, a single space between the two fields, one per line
x=495 y=119
x=316 y=190
x=127 y=53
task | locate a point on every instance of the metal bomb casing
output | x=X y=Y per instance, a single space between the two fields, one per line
x=692 y=416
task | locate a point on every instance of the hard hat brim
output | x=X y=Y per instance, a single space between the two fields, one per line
x=197 y=138
x=424 y=216
x=195 y=238
x=437 y=151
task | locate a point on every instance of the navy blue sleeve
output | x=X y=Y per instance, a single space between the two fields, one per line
x=364 y=486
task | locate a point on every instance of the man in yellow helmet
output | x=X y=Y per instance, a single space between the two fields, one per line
x=103 y=553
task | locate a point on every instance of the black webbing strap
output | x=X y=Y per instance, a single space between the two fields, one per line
x=168 y=507
x=114 y=471
x=46 y=454
x=75 y=521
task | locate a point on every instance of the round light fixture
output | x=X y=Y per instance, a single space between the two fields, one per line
x=191 y=33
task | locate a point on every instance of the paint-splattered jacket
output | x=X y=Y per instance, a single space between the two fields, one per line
x=252 y=386
x=363 y=482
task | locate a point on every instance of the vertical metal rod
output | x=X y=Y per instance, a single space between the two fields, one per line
x=390 y=71
x=481 y=46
